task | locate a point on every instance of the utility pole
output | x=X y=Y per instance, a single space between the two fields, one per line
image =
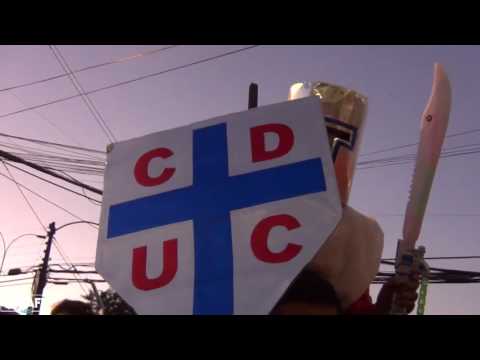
x=97 y=296
x=37 y=290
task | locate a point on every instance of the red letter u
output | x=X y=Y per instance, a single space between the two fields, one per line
x=139 y=266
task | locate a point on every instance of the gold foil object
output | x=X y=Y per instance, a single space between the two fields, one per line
x=349 y=107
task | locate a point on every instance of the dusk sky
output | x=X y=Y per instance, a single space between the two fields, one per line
x=396 y=79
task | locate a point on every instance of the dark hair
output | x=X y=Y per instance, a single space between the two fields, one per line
x=6 y=311
x=310 y=288
x=72 y=307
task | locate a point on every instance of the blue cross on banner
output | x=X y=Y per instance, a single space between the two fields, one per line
x=208 y=203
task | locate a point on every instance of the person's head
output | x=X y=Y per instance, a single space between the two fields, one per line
x=308 y=294
x=344 y=111
x=72 y=307
x=6 y=311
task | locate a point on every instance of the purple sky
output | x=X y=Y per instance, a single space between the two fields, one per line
x=396 y=79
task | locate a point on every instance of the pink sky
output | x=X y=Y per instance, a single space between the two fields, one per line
x=396 y=79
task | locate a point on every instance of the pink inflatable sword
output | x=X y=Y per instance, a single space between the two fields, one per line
x=434 y=125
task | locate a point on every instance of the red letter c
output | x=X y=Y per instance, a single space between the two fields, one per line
x=260 y=238
x=141 y=168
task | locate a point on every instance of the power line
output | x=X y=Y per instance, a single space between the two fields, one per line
x=467 y=132
x=67 y=155
x=76 y=223
x=84 y=264
x=34 y=151
x=52 y=183
x=87 y=101
x=78 y=280
x=40 y=152
x=52 y=166
x=448 y=151
x=172 y=69
x=9 y=285
x=14 y=280
x=436 y=276
x=81 y=90
x=53 y=162
x=52 y=143
x=44 y=170
x=4 y=249
x=24 y=254
x=61 y=265
x=65 y=258
x=409 y=158
x=46 y=259
x=454 y=271
x=25 y=197
x=5 y=253
x=73 y=271
x=445 y=258
x=430 y=215
x=60 y=131
x=95 y=202
x=69 y=164
x=128 y=81
x=462 y=146
x=45 y=199
x=39 y=106
x=116 y=61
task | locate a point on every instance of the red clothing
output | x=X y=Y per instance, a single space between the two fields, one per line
x=363 y=305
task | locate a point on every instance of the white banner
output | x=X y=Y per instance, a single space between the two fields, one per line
x=220 y=216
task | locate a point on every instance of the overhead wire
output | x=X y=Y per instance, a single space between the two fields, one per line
x=91 y=67
x=122 y=83
x=58 y=129
x=4 y=248
x=16 y=284
x=52 y=143
x=14 y=280
x=461 y=133
x=430 y=215
x=67 y=260
x=24 y=196
x=41 y=152
x=56 y=161
x=94 y=202
x=88 y=167
x=87 y=101
x=51 y=182
x=78 y=280
x=466 y=149
x=57 y=246
x=44 y=198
